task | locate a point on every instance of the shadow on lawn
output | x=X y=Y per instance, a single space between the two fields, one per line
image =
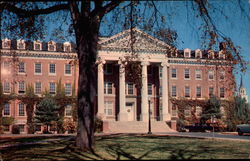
x=64 y=149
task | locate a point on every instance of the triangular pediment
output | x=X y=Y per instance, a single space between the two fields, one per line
x=141 y=42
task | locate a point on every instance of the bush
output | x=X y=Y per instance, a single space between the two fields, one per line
x=98 y=125
x=15 y=129
x=69 y=125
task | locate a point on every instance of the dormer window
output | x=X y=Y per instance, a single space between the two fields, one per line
x=67 y=47
x=222 y=55
x=211 y=54
x=51 y=46
x=198 y=53
x=20 y=44
x=187 y=53
x=6 y=43
x=37 y=45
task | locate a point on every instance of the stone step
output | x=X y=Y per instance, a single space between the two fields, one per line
x=135 y=127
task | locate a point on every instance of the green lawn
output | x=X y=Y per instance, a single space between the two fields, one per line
x=129 y=147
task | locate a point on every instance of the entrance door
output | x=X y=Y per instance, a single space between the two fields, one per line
x=130 y=111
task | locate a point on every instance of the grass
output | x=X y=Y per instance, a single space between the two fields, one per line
x=126 y=147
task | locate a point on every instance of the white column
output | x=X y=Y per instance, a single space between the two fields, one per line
x=100 y=90
x=144 y=92
x=123 y=115
x=165 y=97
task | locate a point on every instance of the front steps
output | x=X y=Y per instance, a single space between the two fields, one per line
x=135 y=127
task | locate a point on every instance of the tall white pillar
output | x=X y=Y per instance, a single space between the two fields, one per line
x=165 y=97
x=123 y=115
x=100 y=90
x=144 y=92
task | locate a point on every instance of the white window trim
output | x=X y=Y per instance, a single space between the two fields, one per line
x=176 y=74
x=71 y=110
x=208 y=75
x=67 y=44
x=70 y=89
x=106 y=86
x=35 y=69
x=6 y=40
x=112 y=108
x=185 y=91
x=65 y=70
x=24 y=67
x=51 y=43
x=24 y=108
x=196 y=74
x=50 y=88
x=4 y=91
x=35 y=88
x=51 y=74
x=21 y=41
x=9 y=110
x=198 y=51
x=37 y=42
x=189 y=73
x=175 y=91
x=128 y=89
x=187 y=51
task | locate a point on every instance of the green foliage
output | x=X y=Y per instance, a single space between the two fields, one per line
x=8 y=120
x=211 y=109
x=15 y=129
x=98 y=125
x=60 y=90
x=46 y=111
x=237 y=112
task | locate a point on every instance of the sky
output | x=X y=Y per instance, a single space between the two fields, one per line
x=231 y=21
x=229 y=18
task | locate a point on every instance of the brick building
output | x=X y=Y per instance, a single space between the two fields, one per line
x=122 y=105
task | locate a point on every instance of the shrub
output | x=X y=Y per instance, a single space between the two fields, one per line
x=98 y=125
x=69 y=125
x=15 y=129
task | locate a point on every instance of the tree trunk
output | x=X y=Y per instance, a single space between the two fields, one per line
x=86 y=39
x=30 y=111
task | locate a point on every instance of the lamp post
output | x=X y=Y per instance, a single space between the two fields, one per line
x=149 y=118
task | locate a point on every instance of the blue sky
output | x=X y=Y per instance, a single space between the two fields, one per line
x=229 y=18
x=181 y=18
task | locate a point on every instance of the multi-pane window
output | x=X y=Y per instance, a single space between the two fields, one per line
x=187 y=112
x=21 y=128
x=186 y=54
x=210 y=74
x=187 y=91
x=6 y=87
x=222 y=92
x=160 y=90
x=173 y=91
x=68 y=89
x=38 y=88
x=68 y=110
x=211 y=91
x=51 y=47
x=108 y=88
x=174 y=73
x=67 y=48
x=21 y=110
x=108 y=68
x=21 y=87
x=160 y=72
x=130 y=88
x=52 y=88
x=186 y=73
x=6 y=43
x=6 y=109
x=38 y=68
x=198 y=91
x=198 y=54
x=21 y=45
x=67 y=69
x=150 y=89
x=108 y=108
x=21 y=67
x=198 y=111
x=52 y=68
x=198 y=74
x=6 y=128
x=37 y=46
x=222 y=75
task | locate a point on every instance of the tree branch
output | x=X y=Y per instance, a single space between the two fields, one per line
x=27 y=13
x=105 y=9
